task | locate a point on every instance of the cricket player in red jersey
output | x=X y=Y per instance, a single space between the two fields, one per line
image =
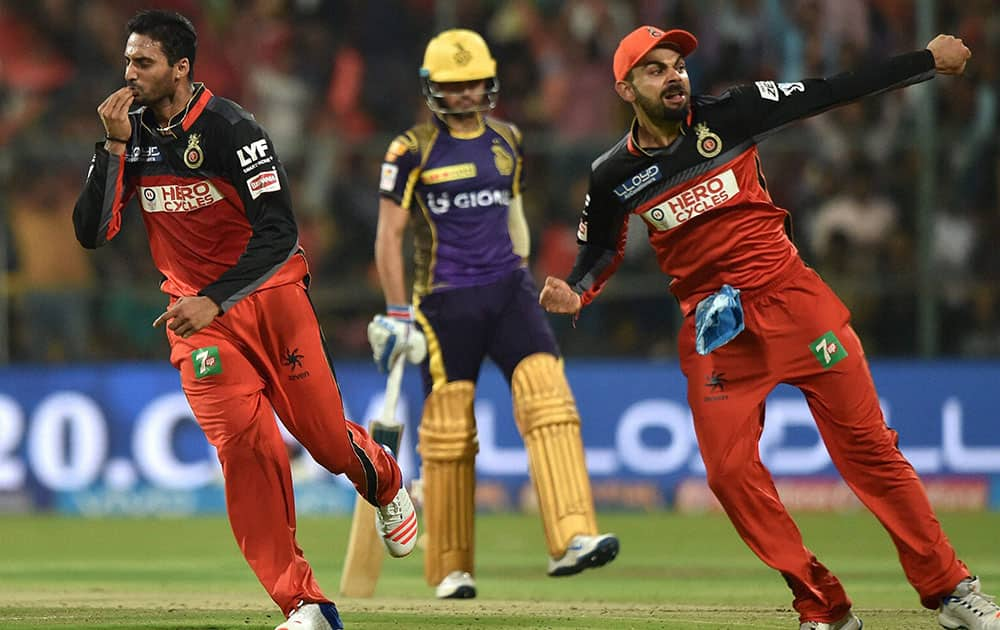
x=243 y=334
x=755 y=315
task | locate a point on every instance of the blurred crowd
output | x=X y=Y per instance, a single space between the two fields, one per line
x=334 y=80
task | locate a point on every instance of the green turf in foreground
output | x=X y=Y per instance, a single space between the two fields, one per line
x=674 y=572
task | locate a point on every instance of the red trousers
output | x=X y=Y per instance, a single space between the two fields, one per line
x=266 y=355
x=797 y=332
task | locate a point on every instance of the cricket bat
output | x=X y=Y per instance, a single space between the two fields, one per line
x=365 y=550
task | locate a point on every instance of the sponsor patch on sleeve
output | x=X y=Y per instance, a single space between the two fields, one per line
x=387 y=181
x=768 y=90
x=581 y=230
x=791 y=88
x=396 y=150
x=265 y=181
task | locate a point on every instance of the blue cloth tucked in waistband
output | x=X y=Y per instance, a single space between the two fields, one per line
x=717 y=319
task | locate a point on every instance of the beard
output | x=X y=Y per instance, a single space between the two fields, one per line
x=151 y=93
x=658 y=111
x=141 y=96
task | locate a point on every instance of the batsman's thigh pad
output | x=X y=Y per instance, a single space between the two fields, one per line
x=448 y=445
x=549 y=423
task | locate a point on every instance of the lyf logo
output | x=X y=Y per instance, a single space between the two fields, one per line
x=252 y=152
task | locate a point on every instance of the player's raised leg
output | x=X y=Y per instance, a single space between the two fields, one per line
x=226 y=394
x=307 y=398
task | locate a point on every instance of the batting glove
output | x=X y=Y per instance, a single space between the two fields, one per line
x=393 y=334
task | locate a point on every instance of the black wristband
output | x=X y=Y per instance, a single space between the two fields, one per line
x=107 y=137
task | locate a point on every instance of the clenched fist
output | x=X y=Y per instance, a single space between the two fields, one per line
x=950 y=54
x=558 y=297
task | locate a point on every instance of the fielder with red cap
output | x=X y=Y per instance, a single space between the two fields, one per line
x=755 y=315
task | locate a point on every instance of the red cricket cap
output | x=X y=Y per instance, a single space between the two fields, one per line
x=636 y=44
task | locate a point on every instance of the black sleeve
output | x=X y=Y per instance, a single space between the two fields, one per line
x=766 y=106
x=601 y=239
x=259 y=178
x=97 y=215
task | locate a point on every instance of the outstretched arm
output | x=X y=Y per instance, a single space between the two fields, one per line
x=766 y=106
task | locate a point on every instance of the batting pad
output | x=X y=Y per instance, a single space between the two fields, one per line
x=549 y=423
x=448 y=444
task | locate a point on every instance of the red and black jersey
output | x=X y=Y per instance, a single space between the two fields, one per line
x=214 y=199
x=704 y=197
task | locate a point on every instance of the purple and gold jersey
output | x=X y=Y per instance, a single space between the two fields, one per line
x=458 y=189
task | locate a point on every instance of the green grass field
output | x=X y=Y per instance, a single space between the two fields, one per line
x=673 y=572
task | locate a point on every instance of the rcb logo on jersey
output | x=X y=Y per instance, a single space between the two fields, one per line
x=709 y=143
x=193 y=155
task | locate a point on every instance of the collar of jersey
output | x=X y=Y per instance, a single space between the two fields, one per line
x=462 y=135
x=635 y=149
x=633 y=138
x=186 y=117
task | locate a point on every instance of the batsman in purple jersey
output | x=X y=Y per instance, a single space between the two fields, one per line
x=462 y=185
x=456 y=181
x=473 y=295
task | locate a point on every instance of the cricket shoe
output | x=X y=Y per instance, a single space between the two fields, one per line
x=313 y=617
x=456 y=585
x=396 y=523
x=849 y=622
x=585 y=552
x=967 y=608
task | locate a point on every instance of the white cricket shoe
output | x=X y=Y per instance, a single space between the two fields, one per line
x=456 y=585
x=585 y=552
x=397 y=524
x=313 y=617
x=967 y=608
x=849 y=622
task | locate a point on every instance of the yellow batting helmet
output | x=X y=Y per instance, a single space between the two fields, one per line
x=453 y=56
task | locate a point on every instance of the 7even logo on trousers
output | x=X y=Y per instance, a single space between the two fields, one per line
x=828 y=350
x=206 y=361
